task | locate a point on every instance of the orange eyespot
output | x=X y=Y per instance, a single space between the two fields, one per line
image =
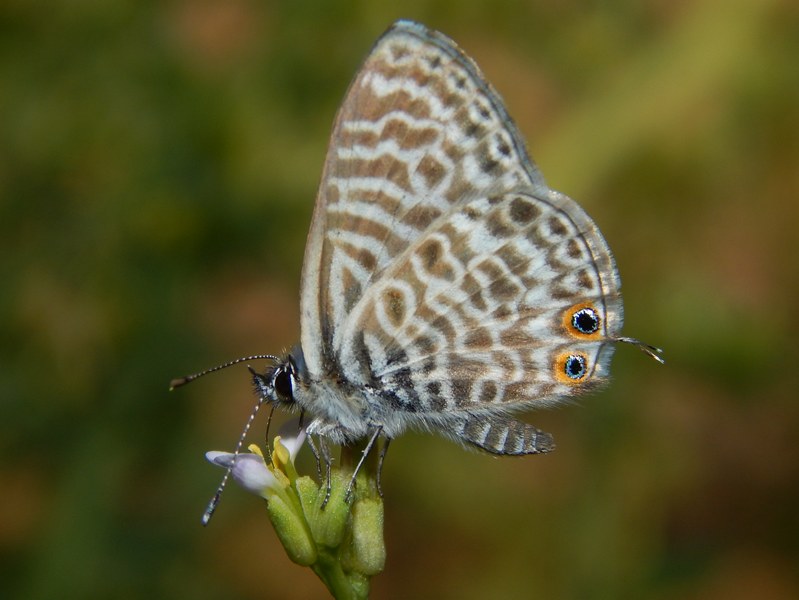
x=571 y=367
x=582 y=320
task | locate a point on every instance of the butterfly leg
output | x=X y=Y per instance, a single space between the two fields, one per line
x=364 y=454
x=315 y=452
x=328 y=460
x=380 y=461
x=503 y=436
x=268 y=425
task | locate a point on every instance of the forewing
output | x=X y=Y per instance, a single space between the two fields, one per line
x=418 y=135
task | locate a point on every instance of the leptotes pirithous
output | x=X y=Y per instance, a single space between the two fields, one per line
x=445 y=286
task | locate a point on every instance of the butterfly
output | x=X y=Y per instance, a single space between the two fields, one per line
x=445 y=287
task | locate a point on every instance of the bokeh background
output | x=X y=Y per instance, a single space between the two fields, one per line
x=158 y=167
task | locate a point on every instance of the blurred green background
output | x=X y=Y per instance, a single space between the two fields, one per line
x=158 y=167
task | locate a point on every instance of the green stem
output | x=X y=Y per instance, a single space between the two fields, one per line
x=342 y=587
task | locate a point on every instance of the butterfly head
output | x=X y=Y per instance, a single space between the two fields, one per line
x=278 y=384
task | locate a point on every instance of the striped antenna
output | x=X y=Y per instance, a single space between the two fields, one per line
x=181 y=381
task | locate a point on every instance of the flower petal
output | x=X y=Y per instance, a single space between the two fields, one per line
x=292 y=437
x=249 y=470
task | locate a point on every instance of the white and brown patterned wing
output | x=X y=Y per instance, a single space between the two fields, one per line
x=419 y=133
x=440 y=271
x=510 y=302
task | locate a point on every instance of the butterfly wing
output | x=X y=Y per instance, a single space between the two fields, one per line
x=403 y=152
x=440 y=271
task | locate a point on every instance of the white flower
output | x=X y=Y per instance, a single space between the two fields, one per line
x=292 y=437
x=248 y=469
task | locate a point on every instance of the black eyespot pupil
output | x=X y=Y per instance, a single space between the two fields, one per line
x=282 y=384
x=585 y=320
x=575 y=366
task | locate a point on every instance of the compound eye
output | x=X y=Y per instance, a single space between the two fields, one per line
x=283 y=384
